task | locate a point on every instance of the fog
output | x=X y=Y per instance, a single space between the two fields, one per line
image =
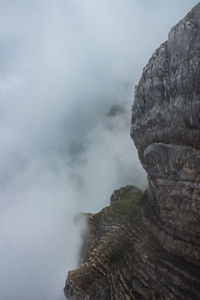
x=64 y=147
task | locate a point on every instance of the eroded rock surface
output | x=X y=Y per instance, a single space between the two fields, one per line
x=166 y=131
x=147 y=245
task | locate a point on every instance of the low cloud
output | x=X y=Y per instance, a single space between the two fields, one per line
x=64 y=64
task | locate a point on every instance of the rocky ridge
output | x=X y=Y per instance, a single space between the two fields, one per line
x=146 y=245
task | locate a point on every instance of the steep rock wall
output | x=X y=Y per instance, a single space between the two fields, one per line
x=166 y=130
x=147 y=245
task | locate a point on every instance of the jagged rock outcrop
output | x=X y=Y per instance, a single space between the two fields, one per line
x=166 y=131
x=147 y=245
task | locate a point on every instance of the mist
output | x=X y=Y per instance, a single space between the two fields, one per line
x=67 y=77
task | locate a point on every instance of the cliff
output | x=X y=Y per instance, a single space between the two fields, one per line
x=146 y=245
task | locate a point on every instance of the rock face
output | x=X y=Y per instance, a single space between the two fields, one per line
x=147 y=245
x=166 y=131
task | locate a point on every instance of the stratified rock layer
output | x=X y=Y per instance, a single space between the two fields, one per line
x=147 y=245
x=166 y=131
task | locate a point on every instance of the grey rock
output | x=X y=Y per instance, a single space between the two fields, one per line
x=147 y=245
x=166 y=131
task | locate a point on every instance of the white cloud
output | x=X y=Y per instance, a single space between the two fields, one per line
x=63 y=65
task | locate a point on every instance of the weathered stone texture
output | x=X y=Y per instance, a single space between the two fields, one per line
x=147 y=245
x=166 y=131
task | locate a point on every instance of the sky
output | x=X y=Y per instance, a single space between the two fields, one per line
x=64 y=64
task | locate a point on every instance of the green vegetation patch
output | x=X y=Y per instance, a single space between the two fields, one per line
x=126 y=206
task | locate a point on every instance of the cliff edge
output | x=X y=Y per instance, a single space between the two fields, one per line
x=146 y=245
